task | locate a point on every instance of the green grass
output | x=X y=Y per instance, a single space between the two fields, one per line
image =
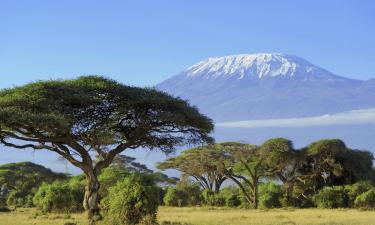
x=213 y=216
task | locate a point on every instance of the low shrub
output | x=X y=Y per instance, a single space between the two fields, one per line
x=366 y=200
x=270 y=195
x=184 y=194
x=331 y=197
x=357 y=189
x=212 y=199
x=175 y=197
x=19 y=199
x=59 y=197
x=231 y=196
x=131 y=201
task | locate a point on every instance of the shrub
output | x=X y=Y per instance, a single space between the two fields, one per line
x=133 y=200
x=4 y=208
x=232 y=200
x=212 y=199
x=192 y=191
x=19 y=198
x=184 y=194
x=270 y=195
x=366 y=200
x=357 y=189
x=58 y=197
x=331 y=197
x=230 y=196
x=175 y=197
x=108 y=178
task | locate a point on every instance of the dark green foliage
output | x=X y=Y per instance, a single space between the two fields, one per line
x=131 y=201
x=93 y=115
x=270 y=195
x=109 y=177
x=366 y=200
x=331 y=197
x=192 y=191
x=175 y=197
x=231 y=196
x=357 y=189
x=59 y=197
x=211 y=198
x=184 y=194
x=20 y=198
x=20 y=181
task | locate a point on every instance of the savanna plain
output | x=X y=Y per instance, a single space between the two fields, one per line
x=211 y=216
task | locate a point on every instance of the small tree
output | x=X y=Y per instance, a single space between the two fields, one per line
x=132 y=200
x=92 y=115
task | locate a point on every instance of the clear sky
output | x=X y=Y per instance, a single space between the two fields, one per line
x=144 y=42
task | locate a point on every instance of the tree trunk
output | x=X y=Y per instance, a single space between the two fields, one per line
x=255 y=195
x=91 y=199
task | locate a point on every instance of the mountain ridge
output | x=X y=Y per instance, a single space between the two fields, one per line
x=267 y=85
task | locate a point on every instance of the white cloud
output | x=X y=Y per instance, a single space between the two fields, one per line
x=362 y=116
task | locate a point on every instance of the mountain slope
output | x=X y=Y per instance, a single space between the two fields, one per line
x=262 y=86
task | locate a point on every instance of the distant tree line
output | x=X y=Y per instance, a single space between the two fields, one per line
x=276 y=170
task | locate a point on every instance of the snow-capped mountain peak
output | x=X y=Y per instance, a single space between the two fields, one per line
x=254 y=65
x=264 y=86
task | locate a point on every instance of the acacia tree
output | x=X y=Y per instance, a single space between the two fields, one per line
x=200 y=163
x=91 y=115
x=247 y=164
x=331 y=162
x=243 y=164
x=283 y=163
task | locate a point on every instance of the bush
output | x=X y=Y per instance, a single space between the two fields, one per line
x=184 y=194
x=231 y=196
x=59 y=197
x=331 y=197
x=20 y=199
x=212 y=199
x=193 y=192
x=366 y=200
x=270 y=195
x=175 y=197
x=357 y=189
x=133 y=200
x=232 y=200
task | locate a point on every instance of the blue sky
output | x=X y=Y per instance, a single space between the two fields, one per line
x=144 y=42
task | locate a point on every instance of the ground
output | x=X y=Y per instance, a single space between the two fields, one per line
x=212 y=216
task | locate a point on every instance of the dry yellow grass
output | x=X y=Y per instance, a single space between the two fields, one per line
x=213 y=216
x=223 y=216
x=32 y=217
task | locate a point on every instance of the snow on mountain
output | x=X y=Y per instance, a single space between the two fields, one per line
x=267 y=85
x=260 y=65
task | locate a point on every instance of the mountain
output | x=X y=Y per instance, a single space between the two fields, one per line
x=265 y=86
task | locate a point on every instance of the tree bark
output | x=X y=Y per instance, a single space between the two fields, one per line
x=91 y=199
x=255 y=195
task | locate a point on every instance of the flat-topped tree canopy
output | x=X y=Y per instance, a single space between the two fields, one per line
x=93 y=115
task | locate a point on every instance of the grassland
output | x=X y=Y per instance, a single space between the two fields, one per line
x=213 y=216
x=222 y=216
